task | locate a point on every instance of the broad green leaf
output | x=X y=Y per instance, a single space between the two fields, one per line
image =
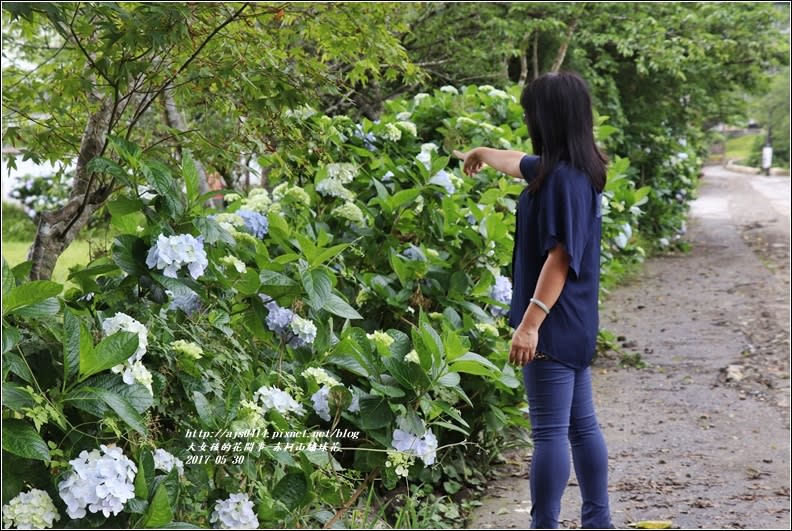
x=29 y=293
x=291 y=490
x=249 y=282
x=159 y=511
x=11 y=337
x=273 y=278
x=129 y=253
x=22 y=439
x=375 y=412
x=39 y=310
x=17 y=365
x=141 y=486
x=111 y=351
x=317 y=285
x=338 y=306
x=124 y=205
x=72 y=341
x=122 y=407
x=8 y=279
x=326 y=254
x=191 y=177
x=474 y=364
x=387 y=390
x=15 y=397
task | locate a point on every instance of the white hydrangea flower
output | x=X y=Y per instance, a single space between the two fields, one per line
x=424 y=447
x=320 y=402
x=351 y=212
x=496 y=93
x=663 y=242
x=320 y=375
x=102 y=480
x=449 y=89
x=354 y=406
x=443 y=178
x=419 y=204
x=425 y=156
x=297 y=196
x=304 y=330
x=274 y=398
x=412 y=357
x=235 y=512
x=171 y=253
x=486 y=88
x=392 y=133
x=279 y=191
x=344 y=172
x=408 y=126
x=302 y=112
x=123 y=322
x=166 y=461
x=404 y=116
x=138 y=373
x=418 y=98
x=30 y=510
x=334 y=188
x=233 y=261
x=465 y=120
x=228 y=221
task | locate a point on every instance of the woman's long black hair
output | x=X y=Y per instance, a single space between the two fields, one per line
x=560 y=122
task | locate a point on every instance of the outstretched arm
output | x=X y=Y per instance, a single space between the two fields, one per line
x=504 y=160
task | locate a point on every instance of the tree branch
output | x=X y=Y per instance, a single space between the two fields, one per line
x=562 y=50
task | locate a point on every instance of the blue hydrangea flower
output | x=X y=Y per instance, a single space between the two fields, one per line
x=189 y=302
x=171 y=253
x=255 y=223
x=278 y=318
x=368 y=138
x=414 y=253
x=502 y=292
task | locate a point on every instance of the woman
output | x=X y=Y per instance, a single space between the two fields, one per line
x=555 y=288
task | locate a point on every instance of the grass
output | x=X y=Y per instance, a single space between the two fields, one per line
x=77 y=253
x=740 y=148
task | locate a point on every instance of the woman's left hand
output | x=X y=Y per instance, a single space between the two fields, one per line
x=523 y=346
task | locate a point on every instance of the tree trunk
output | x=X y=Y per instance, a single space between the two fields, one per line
x=562 y=50
x=58 y=228
x=523 y=62
x=536 y=54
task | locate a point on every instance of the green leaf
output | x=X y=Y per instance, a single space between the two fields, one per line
x=291 y=490
x=15 y=397
x=159 y=512
x=129 y=253
x=122 y=407
x=327 y=254
x=191 y=177
x=8 y=279
x=111 y=351
x=29 y=293
x=22 y=439
x=318 y=286
x=136 y=394
x=45 y=308
x=473 y=363
x=72 y=341
x=11 y=337
x=124 y=205
x=105 y=165
x=273 y=278
x=387 y=390
x=375 y=412
x=249 y=282
x=159 y=177
x=141 y=487
x=338 y=306
x=17 y=365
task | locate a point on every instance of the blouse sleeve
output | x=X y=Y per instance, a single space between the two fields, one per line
x=528 y=167
x=566 y=216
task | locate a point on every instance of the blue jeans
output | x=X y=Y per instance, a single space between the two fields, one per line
x=562 y=409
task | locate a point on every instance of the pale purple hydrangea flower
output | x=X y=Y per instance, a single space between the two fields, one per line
x=171 y=253
x=102 y=480
x=502 y=292
x=278 y=318
x=424 y=447
x=255 y=223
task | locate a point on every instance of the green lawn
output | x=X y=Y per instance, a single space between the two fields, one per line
x=739 y=148
x=76 y=253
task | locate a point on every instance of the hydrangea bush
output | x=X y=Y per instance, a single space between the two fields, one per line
x=358 y=310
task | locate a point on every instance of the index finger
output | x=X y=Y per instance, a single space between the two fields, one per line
x=458 y=154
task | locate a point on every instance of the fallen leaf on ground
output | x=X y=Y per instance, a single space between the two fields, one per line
x=652 y=524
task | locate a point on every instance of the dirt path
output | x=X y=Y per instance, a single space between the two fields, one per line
x=701 y=436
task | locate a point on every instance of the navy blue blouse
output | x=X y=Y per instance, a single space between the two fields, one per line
x=566 y=209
